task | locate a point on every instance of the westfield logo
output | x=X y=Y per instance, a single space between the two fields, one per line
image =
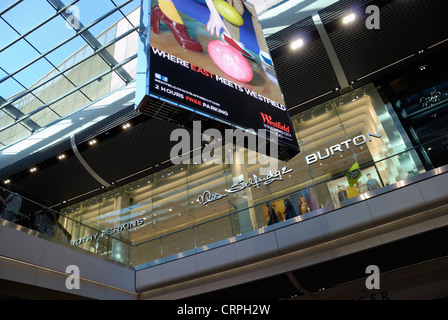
x=276 y=124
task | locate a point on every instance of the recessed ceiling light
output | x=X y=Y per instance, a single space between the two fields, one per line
x=349 y=18
x=297 y=44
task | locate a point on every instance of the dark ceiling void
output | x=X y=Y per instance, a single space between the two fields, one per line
x=305 y=73
x=15 y=291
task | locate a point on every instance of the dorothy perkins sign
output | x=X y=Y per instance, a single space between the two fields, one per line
x=108 y=232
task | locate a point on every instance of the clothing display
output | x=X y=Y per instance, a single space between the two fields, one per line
x=342 y=194
x=372 y=184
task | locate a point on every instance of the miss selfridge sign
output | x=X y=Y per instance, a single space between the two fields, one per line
x=108 y=232
x=254 y=181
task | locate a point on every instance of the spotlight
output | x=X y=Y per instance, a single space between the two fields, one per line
x=297 y=44
x=126 y=126
x=92 y=142
x=7 y=181
x=349 y=18
x=61 y=156
x=33 y=169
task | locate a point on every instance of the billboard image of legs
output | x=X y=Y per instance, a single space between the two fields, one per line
x=211 y=56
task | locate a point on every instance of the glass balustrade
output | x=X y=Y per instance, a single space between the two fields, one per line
x=112 y=238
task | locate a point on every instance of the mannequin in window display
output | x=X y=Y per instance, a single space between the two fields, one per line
x=342 y=194
x=303 y=205
x=371 y=183
x=272 y=216
x=289 y=210
x=352 y=192
x=362 y=187
x=278 y=213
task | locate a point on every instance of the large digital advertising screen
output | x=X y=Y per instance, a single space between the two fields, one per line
x=211 y=56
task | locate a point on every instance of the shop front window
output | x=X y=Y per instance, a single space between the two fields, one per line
x=354 y=134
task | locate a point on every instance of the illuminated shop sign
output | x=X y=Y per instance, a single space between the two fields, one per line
x=224 y=73
x=108 y=232
x=331 y=151
x=254 y=181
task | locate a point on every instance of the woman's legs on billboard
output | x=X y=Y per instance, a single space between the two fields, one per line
x=169 y=9
x=174 y=22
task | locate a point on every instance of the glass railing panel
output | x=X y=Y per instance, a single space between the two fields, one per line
x=54 y=226
x=249 y=219
x=147 y=251
x=213 y=231
x=178 y=242
x=119 y=250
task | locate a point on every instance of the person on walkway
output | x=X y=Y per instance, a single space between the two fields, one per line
x=13 y=204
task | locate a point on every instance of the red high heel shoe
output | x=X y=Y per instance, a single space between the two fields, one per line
x=179 y=31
